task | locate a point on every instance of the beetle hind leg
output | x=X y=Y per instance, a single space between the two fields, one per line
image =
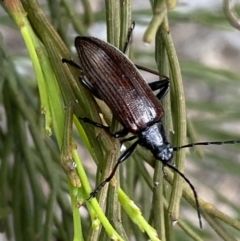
x=90 y=88
x=91 y=122
x=117 y=134
x=162 y=84
x=72 y=63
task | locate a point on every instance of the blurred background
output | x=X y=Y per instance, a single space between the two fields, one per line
x=208 y=49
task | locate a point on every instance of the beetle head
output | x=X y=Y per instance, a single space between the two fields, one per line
x=163 y=152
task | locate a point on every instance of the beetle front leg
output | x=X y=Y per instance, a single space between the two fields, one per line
x=122 y=158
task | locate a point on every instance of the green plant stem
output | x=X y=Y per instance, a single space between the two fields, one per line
x=135 y=214
x=47 y=231
x=78 y=235
x=231 y=17
x=211 y=210
x=219 y=228
x=162 y=63
x=160 y=12
x=113 y=22
x=157 y=206
x=75 y=19
x=126 y=18
x=179 y=114
x=66 y=149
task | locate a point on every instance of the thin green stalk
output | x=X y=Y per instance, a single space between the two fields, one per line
x=66 y=149
x=126 y=18
x=38 y=196
x=182 y=224
x=113 y=22
x=77 y=227
x=191 y=133
x=70 y=170
x=59 y=226
x=230 y=15
x=40 y=145
x=190 y=232
x=93 y=204
x=47 y=230
x=66 y=220
x=211 y=210
x=162 y=63
x=135 y=214
x=157 y=205
x=171 y=4
x=55 y=13
x=104 y=221
x=75 y=19
x=160 y=12
x=187 y=193
x=219 y=228
x=169 y=228
x=144 y=173
x=179 y=114
x=16 y=208
x=88 y=14
x=113 y=211
x=19 y=15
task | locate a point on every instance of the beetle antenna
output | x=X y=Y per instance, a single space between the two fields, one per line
x=186 y=179
x=193 y=189
x=206 y=144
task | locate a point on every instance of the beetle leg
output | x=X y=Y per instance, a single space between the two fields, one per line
x=90 y=88
x=129 y=36
x=120 y=133
x=151 y=71
x=84 y=82
x=128 y=152
x=122 y=158
x=117 y=134
x=70 y=62
x=159 y=84
x=128 y=139
x=163 y=92
x=163 y=85
x=89 y=121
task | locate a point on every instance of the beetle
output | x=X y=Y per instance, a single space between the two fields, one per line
x=112 y=77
